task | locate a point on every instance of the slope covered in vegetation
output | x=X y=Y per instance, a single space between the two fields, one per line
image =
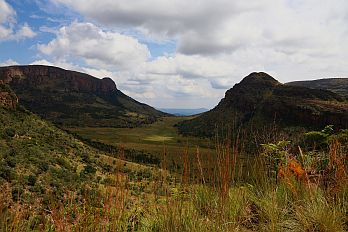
x=283 y=189
x=41 y=166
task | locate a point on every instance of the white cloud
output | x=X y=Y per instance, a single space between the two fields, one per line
x=8 y=25
x=7 y=12
x=96 y=47
x=218 y=43
x=24 y=32
x=222 y=26
x=99 y=73
x=9 y=62
x=7 y=18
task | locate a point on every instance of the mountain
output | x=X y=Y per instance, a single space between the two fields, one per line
x=36 y=157
x=41 y=164
x=70 y=98
x=183 y=112
x=259 y=100
x=337 y=85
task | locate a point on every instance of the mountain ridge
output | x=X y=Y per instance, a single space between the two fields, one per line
x=337 y=85
x=260 y=100
x=71 y=98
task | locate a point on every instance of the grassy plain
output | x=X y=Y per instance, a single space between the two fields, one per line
x=153 y=138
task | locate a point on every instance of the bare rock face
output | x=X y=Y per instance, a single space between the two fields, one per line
x=7 y=98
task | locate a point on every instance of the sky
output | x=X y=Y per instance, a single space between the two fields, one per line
x=178 y=53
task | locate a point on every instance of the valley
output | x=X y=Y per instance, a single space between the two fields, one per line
x=173 y=116
x=154 y=138
x=139 y=169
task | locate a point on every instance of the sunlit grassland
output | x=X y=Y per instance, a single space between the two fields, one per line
x=153 y=138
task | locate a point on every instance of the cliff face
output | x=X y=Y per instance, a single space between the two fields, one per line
x=43 y=77
x=71 y=98
x=259 y=100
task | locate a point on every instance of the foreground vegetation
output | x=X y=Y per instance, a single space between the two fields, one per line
x=57 y=183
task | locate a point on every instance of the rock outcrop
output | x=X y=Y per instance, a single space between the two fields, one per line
x=57 y=78
x=259 y=100
x=72 y=98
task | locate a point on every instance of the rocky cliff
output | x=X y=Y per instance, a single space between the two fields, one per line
x=72 y=98
x=44 y=77
x=259 y=100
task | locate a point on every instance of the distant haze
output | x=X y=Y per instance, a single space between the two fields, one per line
x=184 y=112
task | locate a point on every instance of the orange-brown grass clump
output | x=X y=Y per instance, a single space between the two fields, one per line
x=280 y=189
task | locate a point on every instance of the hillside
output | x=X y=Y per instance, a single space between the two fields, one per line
x=50 y=181
x=260 y=100
x=36 y=157
x=71 y=98
x=337 y=85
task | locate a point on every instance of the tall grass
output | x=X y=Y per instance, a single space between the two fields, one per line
x=224 y=192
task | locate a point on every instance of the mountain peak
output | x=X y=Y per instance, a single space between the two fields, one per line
x=259 y=78
x=260 y=100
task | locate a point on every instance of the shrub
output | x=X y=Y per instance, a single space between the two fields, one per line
x=316 y=139
x=11 y=162
x=89 y=169
x=43 y=166
x=31 y=180
x=10 y=132
x=17 y=192
x=7 y=173
x=320 y=139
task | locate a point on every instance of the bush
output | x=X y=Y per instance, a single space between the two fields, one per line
x=322 y=139
x=43 y=166
x=10 y=132
x=11 y=162
x=37 y=188
x=31 y=180
x=7 y=173
x=17 y=192
x=89 y=169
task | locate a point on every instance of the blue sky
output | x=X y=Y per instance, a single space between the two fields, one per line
x=180 y=54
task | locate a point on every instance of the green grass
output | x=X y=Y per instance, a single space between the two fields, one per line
x=153 y=138
x=158 y=138
x=51 y=181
